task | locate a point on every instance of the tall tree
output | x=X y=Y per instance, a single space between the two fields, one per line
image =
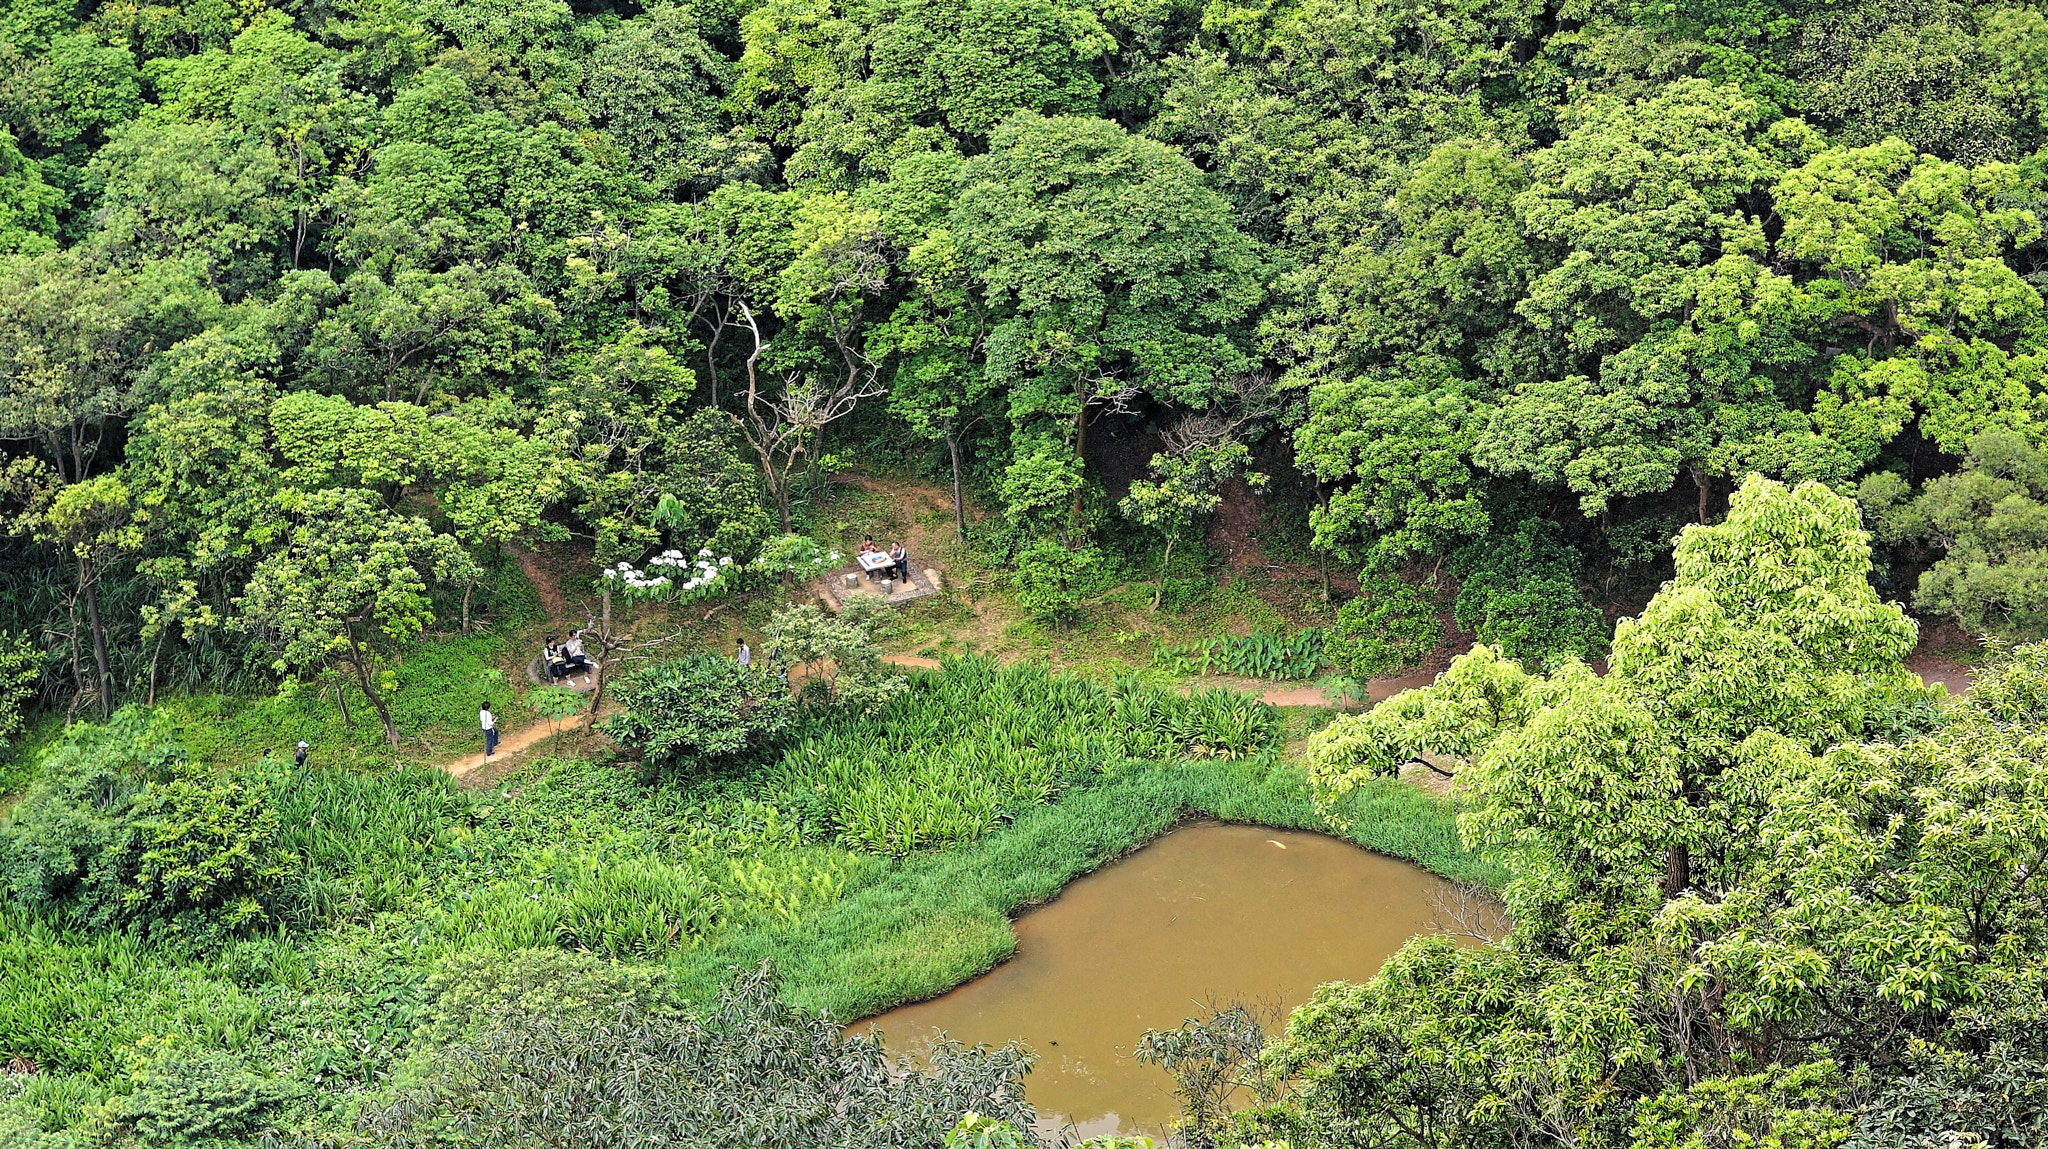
x=1113 y=271
x=346 y=571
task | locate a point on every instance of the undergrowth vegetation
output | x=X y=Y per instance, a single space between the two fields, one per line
x=400 y=915
x=976 y=742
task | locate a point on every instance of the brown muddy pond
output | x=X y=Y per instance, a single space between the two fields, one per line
x=1208 y=911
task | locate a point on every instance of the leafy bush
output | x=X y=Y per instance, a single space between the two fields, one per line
x=1052 y=580
x=179 y=1097
x=471 y=991
x=700 y=706
x=123 y=830
x=1388 y=628
x=1520 y=593
x=975 y=741
x=748 y=1071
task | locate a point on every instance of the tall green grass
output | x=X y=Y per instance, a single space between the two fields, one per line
x=974 y=742
x=70 y=1001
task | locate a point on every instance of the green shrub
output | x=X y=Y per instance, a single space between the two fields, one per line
x=186 y=1097
x=1052 y=580
x=1390 y=627
x=124 y=830
x=749 y=1070
x=471 y=991
x=700 y=706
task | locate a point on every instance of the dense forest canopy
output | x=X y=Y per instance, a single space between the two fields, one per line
x=310 y=311
x=514 y=269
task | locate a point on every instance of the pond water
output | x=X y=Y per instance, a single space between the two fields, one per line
x=1209 y=911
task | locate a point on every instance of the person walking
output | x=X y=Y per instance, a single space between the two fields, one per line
x=746 y=655
x=489 y=722
x=299 y=756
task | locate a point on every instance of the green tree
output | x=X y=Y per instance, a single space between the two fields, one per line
x=344 y=572
x=1202 y=453
x=1112 y=272
x=842 y=652
x=701 y=706
x=1751 y=864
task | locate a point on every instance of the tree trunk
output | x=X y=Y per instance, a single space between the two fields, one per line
x=341 y=700
x=153 y=656
x=1677 y=871
x=1080 y=458
x=465 y=608
x=1165 y=565
x=604 y=646
x=959 y=508
x=370 y=691
x=99 y=640
x=1705 y=484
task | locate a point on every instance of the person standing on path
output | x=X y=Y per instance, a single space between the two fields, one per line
x=746 y=655
x=489 y=722
x=299 y=756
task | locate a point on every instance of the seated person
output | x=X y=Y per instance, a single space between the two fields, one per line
x=556 y=662
x=902 y=558
x=572 y=652
x=867 y=545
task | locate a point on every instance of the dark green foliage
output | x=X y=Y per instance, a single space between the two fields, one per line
x=700 y=706
x=123 y=830
x=746 y=1070
x=1989 y=523
x=1388 y=628
x=1520 y=592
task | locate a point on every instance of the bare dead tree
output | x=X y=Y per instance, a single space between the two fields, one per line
x=783 y=429
x=614 y=646
x=1466 y=910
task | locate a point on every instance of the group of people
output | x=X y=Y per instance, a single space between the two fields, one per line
x=566 y=659
x=902 y=558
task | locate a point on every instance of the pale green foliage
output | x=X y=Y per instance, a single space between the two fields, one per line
x=1843 y=901
x=842 y=651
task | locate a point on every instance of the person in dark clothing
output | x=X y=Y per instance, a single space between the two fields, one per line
x=902 y=558
x=299 y=756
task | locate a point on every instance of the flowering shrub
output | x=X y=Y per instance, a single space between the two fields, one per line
x=673 y=577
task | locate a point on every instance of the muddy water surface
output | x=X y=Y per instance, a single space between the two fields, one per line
x=1230 y=912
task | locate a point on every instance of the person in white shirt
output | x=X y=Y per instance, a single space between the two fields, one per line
x=746 y=655
x=489 y=722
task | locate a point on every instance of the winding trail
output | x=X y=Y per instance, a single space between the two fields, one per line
x=510 y=744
